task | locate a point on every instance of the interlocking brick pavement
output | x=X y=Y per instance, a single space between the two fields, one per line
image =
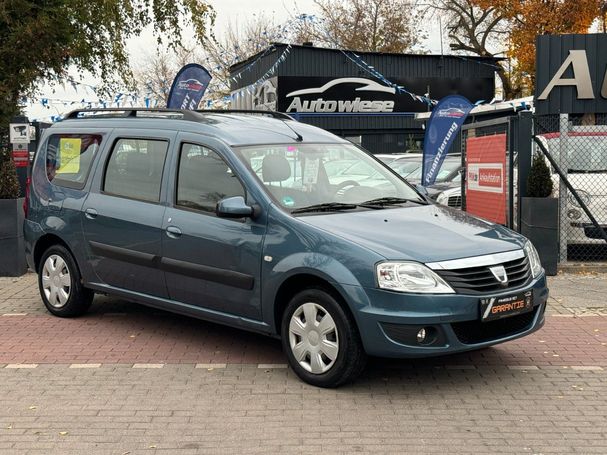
x=243 y=409
x=126 y=379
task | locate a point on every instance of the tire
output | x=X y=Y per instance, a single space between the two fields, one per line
x=323 y=360
x=60 y=284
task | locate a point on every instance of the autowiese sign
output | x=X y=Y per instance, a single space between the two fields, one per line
x=571 y=74
x=362 y=95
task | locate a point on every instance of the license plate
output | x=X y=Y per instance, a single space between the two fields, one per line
x=502 y=307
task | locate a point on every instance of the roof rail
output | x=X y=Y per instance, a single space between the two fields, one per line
x=132 y=112
x=181 y=113
x=273 y=114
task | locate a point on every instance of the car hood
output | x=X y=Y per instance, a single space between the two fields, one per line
x=425 y=233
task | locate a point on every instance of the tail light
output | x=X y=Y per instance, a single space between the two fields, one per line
x=26 y=202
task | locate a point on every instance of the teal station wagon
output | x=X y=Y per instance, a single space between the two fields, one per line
x=245 y=219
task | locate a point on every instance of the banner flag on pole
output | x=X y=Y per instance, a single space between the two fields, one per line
x=446 y=120
x=188 y=87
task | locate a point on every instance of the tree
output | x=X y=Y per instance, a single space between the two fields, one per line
x=153 y=78
x=40 y=40
x=529 y=18
x=491 y=27
x=363 y=25
x=237 y=43
x=478 y=31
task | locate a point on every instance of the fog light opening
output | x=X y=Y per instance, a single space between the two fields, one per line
x=421 y=335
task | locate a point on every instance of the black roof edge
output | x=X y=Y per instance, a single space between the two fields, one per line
x=277 y=45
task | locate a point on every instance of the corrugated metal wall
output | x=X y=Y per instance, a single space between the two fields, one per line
x=312 y=61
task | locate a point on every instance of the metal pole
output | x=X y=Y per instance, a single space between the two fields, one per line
x=563 y=164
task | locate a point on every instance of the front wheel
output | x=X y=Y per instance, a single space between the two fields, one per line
x=321 y=340
x=60 y=284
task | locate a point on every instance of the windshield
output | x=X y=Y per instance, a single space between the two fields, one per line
x=586 y=153
x=445 y=172
x=303 y=175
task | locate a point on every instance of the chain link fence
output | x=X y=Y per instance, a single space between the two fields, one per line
x=578 y=144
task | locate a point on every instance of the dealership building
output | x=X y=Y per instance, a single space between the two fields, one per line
x=340 y=91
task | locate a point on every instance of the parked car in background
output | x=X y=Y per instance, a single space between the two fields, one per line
x=586 y=165
x=220 y=216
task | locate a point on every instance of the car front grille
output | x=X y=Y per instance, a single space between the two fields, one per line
x=454 y=201
x=473 y=332
x=480 y=280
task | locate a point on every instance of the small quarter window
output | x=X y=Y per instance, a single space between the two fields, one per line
x=204 y=179
x=134 y=169
x=69 y=158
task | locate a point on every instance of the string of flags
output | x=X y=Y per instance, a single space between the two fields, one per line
x=214 y=96
x=399 y=88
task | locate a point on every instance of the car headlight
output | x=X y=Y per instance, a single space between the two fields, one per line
x=584 y=196
x=534 y=259
x=410 y=277
x=442 y=198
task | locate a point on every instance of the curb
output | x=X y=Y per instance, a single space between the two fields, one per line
x=582 y=267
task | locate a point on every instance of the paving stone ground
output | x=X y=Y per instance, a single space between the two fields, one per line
x=126 y=379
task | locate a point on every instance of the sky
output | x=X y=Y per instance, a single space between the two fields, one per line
x=228 y=11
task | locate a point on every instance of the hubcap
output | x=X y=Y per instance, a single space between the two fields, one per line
x=56 y=281
x=313 y=338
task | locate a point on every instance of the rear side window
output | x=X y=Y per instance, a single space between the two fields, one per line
x=134 y=169
x=69 y=158
x=204 y=179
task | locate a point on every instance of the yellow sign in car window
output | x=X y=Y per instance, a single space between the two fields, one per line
x=69 y=155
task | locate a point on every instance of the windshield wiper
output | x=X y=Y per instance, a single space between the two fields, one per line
x=327 y=207
x=391 y=201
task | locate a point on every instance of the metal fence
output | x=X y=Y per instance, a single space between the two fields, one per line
x=578 y=147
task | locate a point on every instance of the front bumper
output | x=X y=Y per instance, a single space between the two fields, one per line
x=390 y=320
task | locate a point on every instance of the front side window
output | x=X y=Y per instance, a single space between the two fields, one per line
x=134 y=169
x=302 y=175
x=204 y=179
x=69 y=158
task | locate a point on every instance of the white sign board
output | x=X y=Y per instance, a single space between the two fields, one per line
x=19 y=133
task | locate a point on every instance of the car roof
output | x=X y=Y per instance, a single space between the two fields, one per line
x=236 y=128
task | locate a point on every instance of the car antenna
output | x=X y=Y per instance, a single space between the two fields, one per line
x=298 y=137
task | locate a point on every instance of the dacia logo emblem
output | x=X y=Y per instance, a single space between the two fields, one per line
x=499 y=272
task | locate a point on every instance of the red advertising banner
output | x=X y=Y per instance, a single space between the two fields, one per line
x=486 y=177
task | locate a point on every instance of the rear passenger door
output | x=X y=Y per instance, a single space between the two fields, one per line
x=122 y=215
x=210 y=262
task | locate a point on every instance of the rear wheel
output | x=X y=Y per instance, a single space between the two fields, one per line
x=321 y=340
x=60 y=284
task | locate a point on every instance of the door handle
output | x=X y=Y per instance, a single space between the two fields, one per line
x=173 y=232
x=91 y=214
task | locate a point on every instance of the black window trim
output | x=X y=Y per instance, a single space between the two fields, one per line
x=107 y=162
x=67 y=183
x=175 y=205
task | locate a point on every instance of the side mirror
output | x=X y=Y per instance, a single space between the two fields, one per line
x=422 y=190
x=233 y=207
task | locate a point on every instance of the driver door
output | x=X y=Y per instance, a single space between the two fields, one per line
x=210 y=262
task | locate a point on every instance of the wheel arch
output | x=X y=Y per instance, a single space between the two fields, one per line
x=299 y=282
x=44 y=243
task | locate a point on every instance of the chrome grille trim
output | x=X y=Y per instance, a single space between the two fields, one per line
x=477 y=261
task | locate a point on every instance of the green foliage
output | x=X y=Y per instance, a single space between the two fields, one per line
x=9 y=184
x=539 y=182
x=39 y=40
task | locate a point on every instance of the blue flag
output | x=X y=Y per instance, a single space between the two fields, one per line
x=447 y=118
x=188 y=87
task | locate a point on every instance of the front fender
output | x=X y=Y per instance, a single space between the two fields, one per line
x=313 y=264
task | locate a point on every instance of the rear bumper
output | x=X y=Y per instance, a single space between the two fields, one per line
x=389 y=323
